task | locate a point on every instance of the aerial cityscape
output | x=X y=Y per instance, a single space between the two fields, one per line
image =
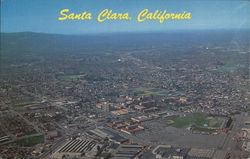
x=124 y=89
x=153 y=96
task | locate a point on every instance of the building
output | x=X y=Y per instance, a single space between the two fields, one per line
x=170 y=152
x=105 y=133
x=121 y=112
x=77 y=148
x=246 y=146
x=127 y=151
x=201 y=153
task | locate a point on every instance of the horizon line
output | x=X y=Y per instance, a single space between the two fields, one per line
x=130 y=32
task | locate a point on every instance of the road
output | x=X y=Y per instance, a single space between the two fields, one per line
x=229 y=140
x=53 y=148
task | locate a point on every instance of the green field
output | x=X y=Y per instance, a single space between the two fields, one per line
x=197 y=120
x=230 y=67
x=24 y=102
x=29 y=141
x=148 y=91
x=69 y=77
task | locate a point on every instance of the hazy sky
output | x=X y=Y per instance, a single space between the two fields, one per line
x=41 y=15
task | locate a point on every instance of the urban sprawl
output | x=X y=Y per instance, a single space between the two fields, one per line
x=164 y=96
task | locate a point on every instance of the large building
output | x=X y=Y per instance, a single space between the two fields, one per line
x=77 y=148
x=103 y=133
x=170 y=152
x=127 y=151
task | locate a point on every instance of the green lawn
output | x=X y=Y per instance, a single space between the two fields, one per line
x=198 y=120
x=230 y=67
x=30 y=140
x=148 y=91
x=24 y=102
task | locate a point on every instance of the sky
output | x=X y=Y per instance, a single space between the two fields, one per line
x=42 y=15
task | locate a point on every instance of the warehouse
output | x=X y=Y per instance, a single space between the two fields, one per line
x=78 y=148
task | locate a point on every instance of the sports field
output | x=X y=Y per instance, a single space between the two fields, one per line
x=197 y=120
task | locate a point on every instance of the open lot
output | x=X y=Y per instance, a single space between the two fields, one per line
x=198 y=120
x=158 y=132
x=24 y=102
x=230 y=67
x=30 y=140
x=149 y=91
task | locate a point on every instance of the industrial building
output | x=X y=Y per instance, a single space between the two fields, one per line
x=170 y=152
x=103 y=133
x=127 y=151
x=201 y=153
x=77 y=148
